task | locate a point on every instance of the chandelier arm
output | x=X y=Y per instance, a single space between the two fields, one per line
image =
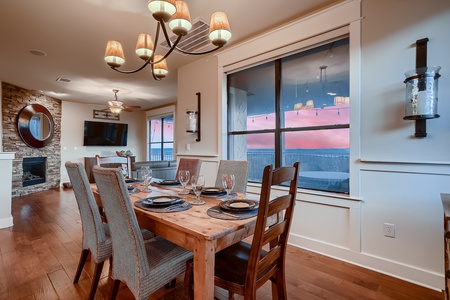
x=131 y=71
x=199 y=53
x=169 y=42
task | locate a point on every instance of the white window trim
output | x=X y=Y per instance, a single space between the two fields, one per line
x=333 y=22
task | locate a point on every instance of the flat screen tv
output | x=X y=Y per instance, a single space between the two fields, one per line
x=105 y=134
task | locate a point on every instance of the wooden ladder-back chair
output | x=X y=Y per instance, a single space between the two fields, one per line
x=243 y=268
x=115 y=162
x=192 y=165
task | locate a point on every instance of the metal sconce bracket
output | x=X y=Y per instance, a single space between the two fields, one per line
x=421 y=91
x=199 y=117
x=421 y=62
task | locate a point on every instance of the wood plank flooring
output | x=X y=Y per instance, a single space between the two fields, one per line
x=39 y=256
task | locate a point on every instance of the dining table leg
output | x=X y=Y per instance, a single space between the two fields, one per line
x=204 y=270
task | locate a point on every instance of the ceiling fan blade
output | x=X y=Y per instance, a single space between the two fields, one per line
x=132 y=107
x=126 y=109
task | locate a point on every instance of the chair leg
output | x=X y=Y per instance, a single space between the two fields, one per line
x=97 y=273
x=171 y=284
x=83 y=257
x=189 y=280
x=114 y=289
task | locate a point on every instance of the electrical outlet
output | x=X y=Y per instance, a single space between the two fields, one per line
x=389 y=230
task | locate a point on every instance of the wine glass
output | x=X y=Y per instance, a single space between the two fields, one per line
x=147 y=177
x=228 y=184
x=183 y=177
x=198 y=182
x=144 y=171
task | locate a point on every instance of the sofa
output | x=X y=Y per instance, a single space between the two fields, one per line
x=163 y=169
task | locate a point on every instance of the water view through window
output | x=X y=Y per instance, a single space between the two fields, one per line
x=295 y=109
x=161 y=139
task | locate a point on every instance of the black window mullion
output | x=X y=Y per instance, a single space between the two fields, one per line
x=278 y=140
x=162 y=139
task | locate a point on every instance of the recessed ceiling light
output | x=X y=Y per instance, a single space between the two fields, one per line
x=38 y=52
x=60 y=79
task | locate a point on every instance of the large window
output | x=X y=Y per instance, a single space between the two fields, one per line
x=291 y=109
x=161 y=138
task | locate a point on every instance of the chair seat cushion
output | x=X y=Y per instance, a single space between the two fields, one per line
x=231 y=263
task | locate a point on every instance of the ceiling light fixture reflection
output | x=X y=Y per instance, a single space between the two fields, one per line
x=176 y=14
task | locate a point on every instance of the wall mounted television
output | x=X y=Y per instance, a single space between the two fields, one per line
x=105 y=134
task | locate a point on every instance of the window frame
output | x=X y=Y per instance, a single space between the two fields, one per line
x=279 y=130
x=162 y=141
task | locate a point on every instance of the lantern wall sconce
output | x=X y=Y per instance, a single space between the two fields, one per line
x=193 y=119
x=421 y=91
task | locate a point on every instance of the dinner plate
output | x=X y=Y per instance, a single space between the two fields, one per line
x=213 y=191
x=168 y=182
x=159 y=201
x=239 y=205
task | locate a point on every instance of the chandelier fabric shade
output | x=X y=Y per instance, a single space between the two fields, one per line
x=181 y=20
x=144 y=46
x=162 y=10
x=219 y=29
x=176 y=14
x=114 y=54
x=160 y=67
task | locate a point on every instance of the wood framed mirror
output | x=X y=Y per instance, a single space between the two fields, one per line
x=35 y=125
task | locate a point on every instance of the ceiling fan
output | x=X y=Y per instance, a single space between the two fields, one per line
x=117 y=106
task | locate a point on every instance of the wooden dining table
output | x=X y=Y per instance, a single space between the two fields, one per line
x=194 y=230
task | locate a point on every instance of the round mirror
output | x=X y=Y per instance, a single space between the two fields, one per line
x=35 y=125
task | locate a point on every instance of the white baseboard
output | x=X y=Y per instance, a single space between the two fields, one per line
x=6 y=222
x=395 y=269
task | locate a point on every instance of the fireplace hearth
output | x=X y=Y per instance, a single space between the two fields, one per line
x=34 y=170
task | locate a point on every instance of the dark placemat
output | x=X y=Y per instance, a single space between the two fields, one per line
x=134 y=191
x=218 y=213
x=167 y=209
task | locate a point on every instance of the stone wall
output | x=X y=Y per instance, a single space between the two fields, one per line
x=13 y=100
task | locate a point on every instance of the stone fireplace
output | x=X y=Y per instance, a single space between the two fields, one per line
x=13 y=100
x=34 y=170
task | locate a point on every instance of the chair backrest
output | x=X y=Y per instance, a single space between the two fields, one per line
x=130 y=262
x=115 y=162
x=93 y=231
x=240 y=170
x=276 y=235
x=189 y=164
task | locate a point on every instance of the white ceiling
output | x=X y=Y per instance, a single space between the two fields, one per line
x=74 y=36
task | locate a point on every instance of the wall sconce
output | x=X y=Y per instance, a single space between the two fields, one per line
x=193 y=119
x=421 y=90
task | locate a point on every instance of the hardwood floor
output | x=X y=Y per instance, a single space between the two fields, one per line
x=39 y=256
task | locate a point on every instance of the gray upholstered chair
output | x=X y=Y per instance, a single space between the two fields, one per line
x=96 y=234
x=115 y=162
x=240 y=170
x=144 y=267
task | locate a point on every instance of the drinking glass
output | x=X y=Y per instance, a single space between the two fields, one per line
x=228 y=184
x=147 y=180
x=198 y=183
x=183 y=177
x=144 y=171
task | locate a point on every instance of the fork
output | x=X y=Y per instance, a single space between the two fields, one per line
x=224 y=212
x=176 y=206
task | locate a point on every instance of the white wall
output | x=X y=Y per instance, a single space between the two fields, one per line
x=395 y=178
x=72 y=129
x=192 y=80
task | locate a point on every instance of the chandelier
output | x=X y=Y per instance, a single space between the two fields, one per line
x=176 y=14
